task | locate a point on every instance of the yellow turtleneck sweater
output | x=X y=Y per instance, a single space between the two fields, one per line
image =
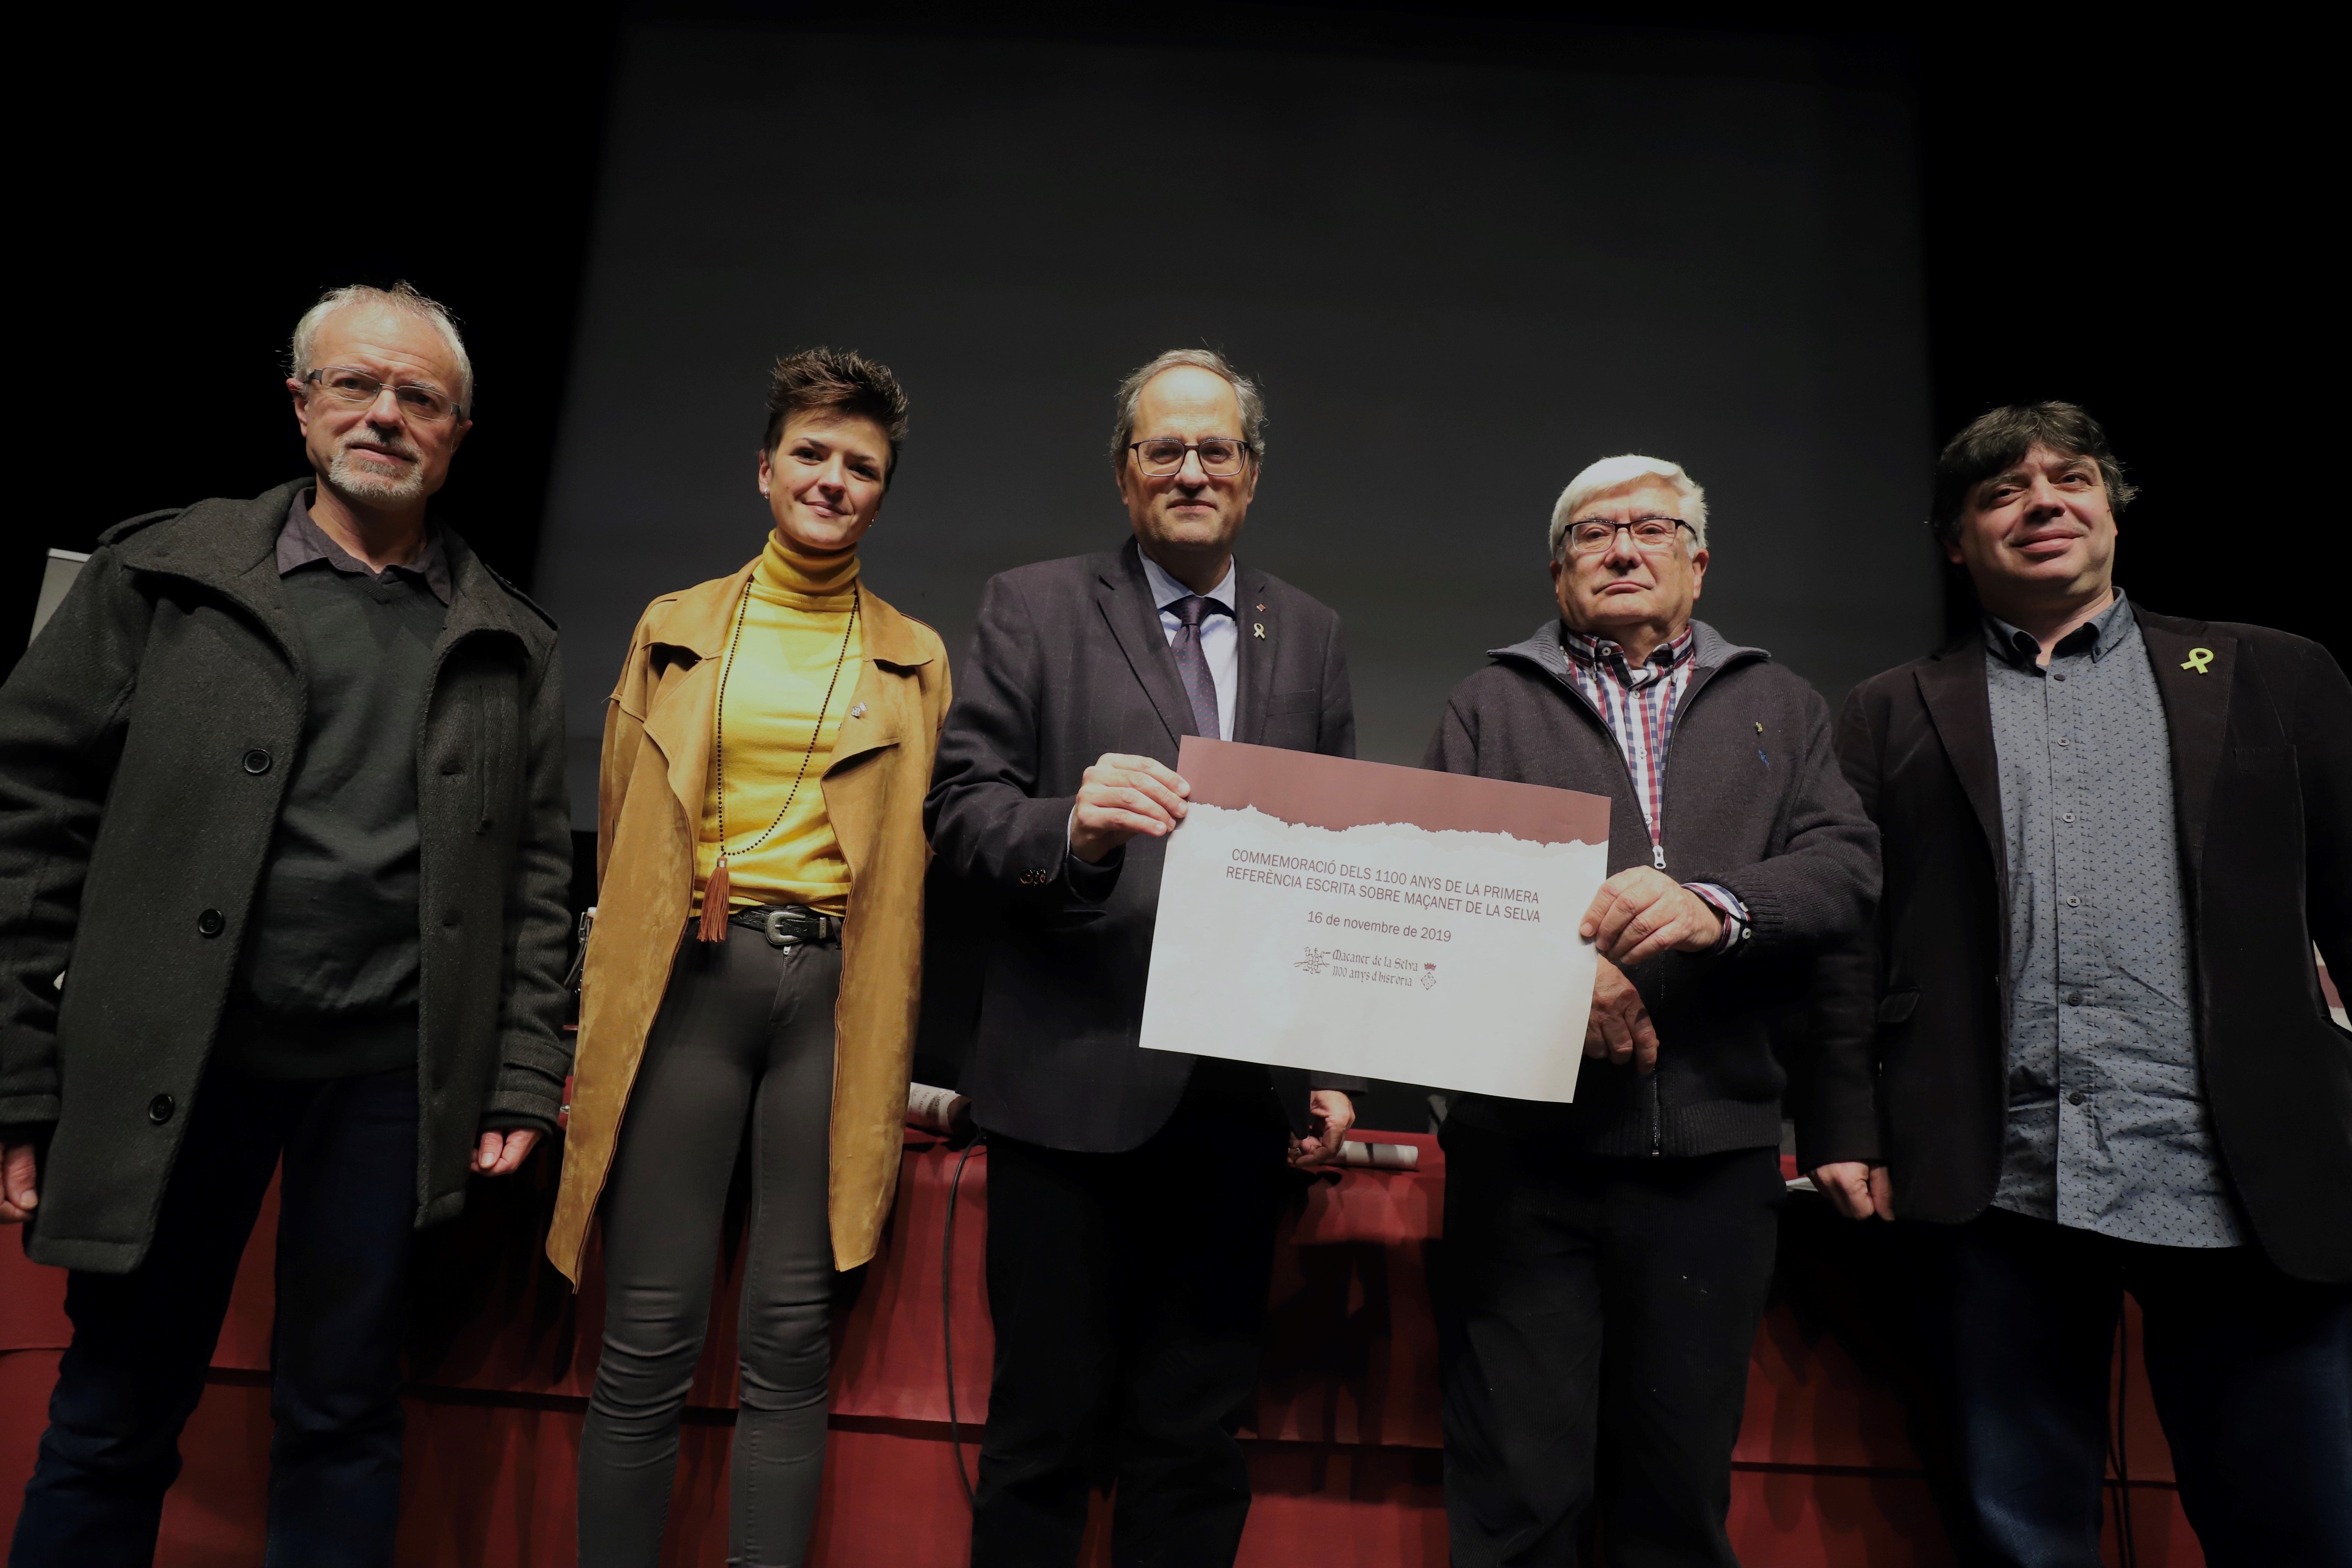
x=794 y=620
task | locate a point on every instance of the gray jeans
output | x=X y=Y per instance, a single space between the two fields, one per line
x=745 y=1034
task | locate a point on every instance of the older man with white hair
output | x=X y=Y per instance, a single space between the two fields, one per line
x=283 y=778
x=1607 y=1260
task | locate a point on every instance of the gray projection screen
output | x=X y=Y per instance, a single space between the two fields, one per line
x=1457 y=281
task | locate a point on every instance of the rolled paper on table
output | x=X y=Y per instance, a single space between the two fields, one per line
x=936 y=1110
x=1380 y=1156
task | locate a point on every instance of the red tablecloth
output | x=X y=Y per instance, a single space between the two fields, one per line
x=1344 y=1452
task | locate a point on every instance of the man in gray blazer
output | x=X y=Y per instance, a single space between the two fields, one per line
x=1132 y=1193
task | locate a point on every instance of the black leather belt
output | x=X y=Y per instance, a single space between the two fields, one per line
x=785 y=925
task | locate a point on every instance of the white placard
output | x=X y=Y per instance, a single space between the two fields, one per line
x=1447 y=958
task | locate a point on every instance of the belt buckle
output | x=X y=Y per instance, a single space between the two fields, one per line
x=771 y=925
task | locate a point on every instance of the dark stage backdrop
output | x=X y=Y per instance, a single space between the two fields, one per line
x=1458 y=280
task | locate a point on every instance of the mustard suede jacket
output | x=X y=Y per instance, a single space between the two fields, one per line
x=657 y=755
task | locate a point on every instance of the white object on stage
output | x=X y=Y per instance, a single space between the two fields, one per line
x=1390 y=922
x=1380 y=1156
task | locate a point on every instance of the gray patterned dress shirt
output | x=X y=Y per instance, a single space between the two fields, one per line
x=2108 y=1129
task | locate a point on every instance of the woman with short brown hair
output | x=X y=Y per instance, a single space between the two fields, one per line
x=755 y=960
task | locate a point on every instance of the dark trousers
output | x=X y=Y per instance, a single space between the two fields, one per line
x=142 y=1341
x=1598 y=1310
x=1128 y=1293
x=2251 y=1372
x=744 y=1036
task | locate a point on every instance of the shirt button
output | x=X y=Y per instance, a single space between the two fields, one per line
x=2072 y=902
x=2062 y=740
x=2075 y=1097
x=256 y=760
x=212 y=922
x=160 y=1108
x=2073 y=999
x=2068 y=816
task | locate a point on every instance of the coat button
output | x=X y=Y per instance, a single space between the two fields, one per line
x=212 y=922
x=256 y=760
x=160 y=1108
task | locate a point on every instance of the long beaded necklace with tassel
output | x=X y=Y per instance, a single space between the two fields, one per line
x=715 y=891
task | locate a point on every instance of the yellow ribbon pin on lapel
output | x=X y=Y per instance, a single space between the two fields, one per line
x=1258 y=629
x=2199 y=657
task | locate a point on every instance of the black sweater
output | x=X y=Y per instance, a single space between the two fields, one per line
x=329 y=981
x=1754 y=802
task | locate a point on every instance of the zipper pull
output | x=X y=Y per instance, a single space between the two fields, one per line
x=1657 y=855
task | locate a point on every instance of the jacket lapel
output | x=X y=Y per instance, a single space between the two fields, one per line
x=681 y=715
x=1952 y=684
x=1124 y=596
x=883 y=709
x=1254 y=626
x=2194 y=668
x=876 y=717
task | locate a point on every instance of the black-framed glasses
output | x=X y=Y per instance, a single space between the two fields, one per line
x=1652 y=535
x=1221 y=456
x=357 y=388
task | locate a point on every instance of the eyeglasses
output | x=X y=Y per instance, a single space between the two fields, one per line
x=1221 y=456
x=357 y=388
x=1652 y=535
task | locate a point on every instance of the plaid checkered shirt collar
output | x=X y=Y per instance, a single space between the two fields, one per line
x=1599 y=653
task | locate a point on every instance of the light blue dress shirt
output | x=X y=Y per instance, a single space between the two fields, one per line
x=2109 y=1128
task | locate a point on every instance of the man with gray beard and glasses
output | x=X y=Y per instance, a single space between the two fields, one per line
x=283 y=778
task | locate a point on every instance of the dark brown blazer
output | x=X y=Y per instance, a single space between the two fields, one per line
x=1069 y=661
x=2261 y=772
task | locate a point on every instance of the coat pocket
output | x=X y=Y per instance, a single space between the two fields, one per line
x=500 y=747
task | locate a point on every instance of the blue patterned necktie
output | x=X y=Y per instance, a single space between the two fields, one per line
x=1193 y=665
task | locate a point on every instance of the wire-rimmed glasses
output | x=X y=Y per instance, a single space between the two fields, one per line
x=1652 y=535
x=357 y=388
x=1221 y=456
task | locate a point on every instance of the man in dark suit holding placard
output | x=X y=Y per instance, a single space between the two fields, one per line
x=1132 y=1193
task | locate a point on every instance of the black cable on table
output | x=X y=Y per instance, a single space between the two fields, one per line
x=2118 y=1450
x=947 y=1314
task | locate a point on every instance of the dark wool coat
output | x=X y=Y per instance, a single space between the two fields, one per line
x=2261 y=788
x=145 y=742
x=1754 y=802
